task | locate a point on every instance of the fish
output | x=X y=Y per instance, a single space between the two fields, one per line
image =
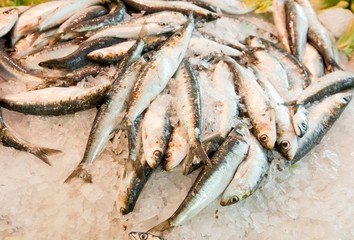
x=89 y=70
x=286 y=136
x=321 y=117
x=108 y=118
x=299 y=119
x=143 y=236
x=10 y=70
x=313 y=62
x=116 y=15
x=55 y=101
x=212 y=180
x=297 y=26
x=257 y=104
x=248 y=176
x=318 y=37
x=64 y=12
x=228 y=6
x=279 y=19
x=155 y=75
x=9 y=138
x=78 y=58
x=157 y=129
x=23 y=45
x=8 y=19
x=178 y=6
x=329 y=84
x=29 y=20
x=200 y=46
x=189 y=112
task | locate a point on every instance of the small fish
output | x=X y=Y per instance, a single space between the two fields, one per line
x=297 y=26
x=156 y=130
x=212 y=180
x=279 y=19
x=178 y=6
x=319 y=37
x=248 y=175
x=56 y=101
x=89 y=70
x=257 y=104
x=200 y=46
x=116 y=15
x=300 y=122
x=9 y=138
x=7 y=20
x=313 y=62
x=143 y=236
x=228 y=6
x=78 y=58
x=329 y=84
x=321 y=117
x=189 y=112
x=21 y=47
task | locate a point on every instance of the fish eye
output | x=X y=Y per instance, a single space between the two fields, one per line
x=235 y=199
x=263 y=138
x=123 y=210
x=163 y=24
x=285 y=144
x=143 y=236
x=168 y=156
x=157 y=154
x=178 y=35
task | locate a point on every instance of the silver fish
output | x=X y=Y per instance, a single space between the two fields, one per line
x=212 y=180
x=178 y=6
x=313 y=62
x=21 y=47
x=7 y=20
x=9 y=138
x=156 y=130
x=248 y=175
x=257 y=104
x=321 y=118
x=279 y=20
x=200 y=46
x=329 y=84
x=230 y=6
x=297 y=26
x=189 y=112
x=108 y=116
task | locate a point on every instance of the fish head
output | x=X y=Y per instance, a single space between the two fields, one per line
x=288 y=147
x=232 y=196
x=267 y=137
x=143 y=236
x=344 y=99
x=154 y=153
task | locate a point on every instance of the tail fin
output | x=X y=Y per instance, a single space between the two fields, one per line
x=195 y=156
x=160 y=228
x=80 y=172
x=42 y=153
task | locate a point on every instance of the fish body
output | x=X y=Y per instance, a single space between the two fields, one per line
x=230 y=6
x=201 y=46
x=178 y=6
x=248 y=175
x=279 y=19
x=156 y=130
x=88 y=70
x=23 y=45
x=7 y=20
x=313 y=62
x=257 y=105
x=212 y=180
x=56 y=100
x=327 y=85
x=321 y=117
x=297 y=26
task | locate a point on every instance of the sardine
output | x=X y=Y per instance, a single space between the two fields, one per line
x=212 y=180
x=156 y=130
x=327 y=85
x=157 y=73
x=321 y=118
x=190 y=115
x=7 y=20
x=9 y=138
x=56 y=100
x=286 y=136
x=178 y=6
x=78 y=58
x=279 y=20
x=248 y=175
x=257 y=104
x=228 y=6
x=108 y=116
x=200 y=46
x=115 y=16
x=313 y=62
x=319 y=37
x=297 y=26
x=89 y=70
x=23 y=45
x=299 y=119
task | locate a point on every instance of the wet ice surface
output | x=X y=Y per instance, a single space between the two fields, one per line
x=312 y=200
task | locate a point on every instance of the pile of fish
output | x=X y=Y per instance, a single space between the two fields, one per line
x=183 y=93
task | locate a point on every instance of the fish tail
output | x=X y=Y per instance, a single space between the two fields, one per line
x=160 y=228
x=195 y=157
x=80 y=172
x=42 y=153
x=332 y=66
